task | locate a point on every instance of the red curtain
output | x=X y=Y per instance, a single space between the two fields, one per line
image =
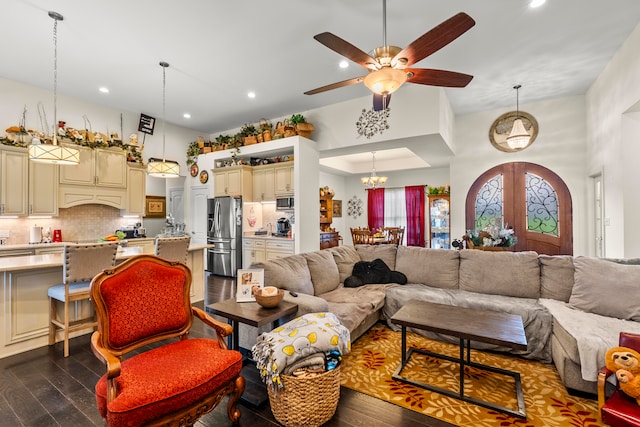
x=375 y=208
x=415 y=215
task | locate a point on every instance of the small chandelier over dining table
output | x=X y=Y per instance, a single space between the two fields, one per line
x=373 y=181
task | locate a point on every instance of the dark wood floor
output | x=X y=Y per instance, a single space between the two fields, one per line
x=42 y=388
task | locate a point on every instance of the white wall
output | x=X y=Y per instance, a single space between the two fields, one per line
x=610 y=140
x=560 y=147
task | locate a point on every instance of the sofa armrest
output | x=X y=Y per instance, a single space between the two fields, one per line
x=307 y=303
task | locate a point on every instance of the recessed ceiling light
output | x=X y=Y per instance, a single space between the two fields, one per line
x=104 y=89
x=186 y=115
x=251 y=95
x=536 y=3
x=344 y=64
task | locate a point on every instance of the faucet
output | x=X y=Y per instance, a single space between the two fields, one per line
x=270 y=226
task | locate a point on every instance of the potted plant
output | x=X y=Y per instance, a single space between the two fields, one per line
x=193 y=150
x=222 y=142
x=301 y=126
x=265 y=129
x=249 y=133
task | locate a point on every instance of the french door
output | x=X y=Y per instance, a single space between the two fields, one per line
x=529 y=198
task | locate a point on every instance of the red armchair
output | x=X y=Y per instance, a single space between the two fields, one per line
x=142 y=304
x=618 y=409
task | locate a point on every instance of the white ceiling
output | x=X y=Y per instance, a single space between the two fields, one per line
x=221 y=50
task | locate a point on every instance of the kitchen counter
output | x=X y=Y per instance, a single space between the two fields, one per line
x=265 y=237
x=24 y=306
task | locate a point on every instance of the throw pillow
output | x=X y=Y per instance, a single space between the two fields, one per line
x=556 y=276
x=290 y=273
x=606 y=288
x=345 y=257
x=431 y=267
x=387 y=253
x=324 y=271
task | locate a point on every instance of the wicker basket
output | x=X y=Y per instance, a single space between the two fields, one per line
x=308 y=402
x=250 y=140
x=304 y=129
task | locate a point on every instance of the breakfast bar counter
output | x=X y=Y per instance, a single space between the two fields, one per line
x=24 y=306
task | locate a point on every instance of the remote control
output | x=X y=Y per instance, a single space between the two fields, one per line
x=293 y=294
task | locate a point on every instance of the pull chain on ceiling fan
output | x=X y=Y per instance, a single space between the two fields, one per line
x=388 y=64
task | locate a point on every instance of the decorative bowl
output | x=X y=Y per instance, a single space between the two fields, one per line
x=269 y=301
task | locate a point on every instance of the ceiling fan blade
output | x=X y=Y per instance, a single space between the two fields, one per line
x=347 y=50
x=431 y=77
x=380 y=102
x=436 y=38
x=335 y=85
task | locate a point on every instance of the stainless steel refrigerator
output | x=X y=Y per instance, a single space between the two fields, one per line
x=225 y=232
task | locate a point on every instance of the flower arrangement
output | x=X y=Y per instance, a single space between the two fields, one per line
x=492 y=235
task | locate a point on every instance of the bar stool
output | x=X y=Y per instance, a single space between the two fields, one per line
x=173 y=248
x=81 y=264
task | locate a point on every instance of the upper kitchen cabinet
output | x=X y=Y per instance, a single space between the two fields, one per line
x=101 y=177
x=43 y=189
x=233 y=181
x=284 y=178
x=14 y=163
x=136 y=189
x=100 y=167
x=264 y=184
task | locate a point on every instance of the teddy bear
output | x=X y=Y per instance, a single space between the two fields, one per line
x=625 y=362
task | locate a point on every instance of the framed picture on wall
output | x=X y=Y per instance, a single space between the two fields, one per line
x=248 y=280
x=155 y=207
x=337 y=208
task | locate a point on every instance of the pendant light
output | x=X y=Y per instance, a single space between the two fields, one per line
x=373 y=181
x=54 y=153
x=163 y=168
x=519 y=137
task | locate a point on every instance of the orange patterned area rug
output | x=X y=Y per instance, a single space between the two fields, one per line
x=376 y=355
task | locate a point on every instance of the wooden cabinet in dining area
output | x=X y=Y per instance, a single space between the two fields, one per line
x=439 y=228
x=329 y=239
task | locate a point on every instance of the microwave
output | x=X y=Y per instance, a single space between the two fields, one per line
x=284 y=203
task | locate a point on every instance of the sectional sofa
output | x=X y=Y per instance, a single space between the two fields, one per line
x=573 y=308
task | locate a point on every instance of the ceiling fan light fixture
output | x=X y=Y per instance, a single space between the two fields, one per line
x=385 y=81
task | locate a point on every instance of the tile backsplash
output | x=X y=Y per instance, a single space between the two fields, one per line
x=78 y=224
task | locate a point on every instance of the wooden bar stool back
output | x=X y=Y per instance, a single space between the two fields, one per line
x=81 y=263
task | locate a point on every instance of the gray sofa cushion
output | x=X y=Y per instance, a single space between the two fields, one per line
x=324 y=271
x=556 y=277
x=386 y=253
x=345 y=257
x=290 y=273
x=606 y=288
x=515 y=274
x=432 y=267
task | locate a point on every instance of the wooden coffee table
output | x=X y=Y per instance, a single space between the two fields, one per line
x=467 y=324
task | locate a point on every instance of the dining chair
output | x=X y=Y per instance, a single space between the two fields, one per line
x=394 y=234
x=172 y=248
x=618 y=409
x=81 y=263
x=361 y=236
x=155 y=372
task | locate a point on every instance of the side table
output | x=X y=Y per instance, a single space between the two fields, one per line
x=252 y=314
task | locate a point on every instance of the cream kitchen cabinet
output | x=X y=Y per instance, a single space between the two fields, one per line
x=100 y=167
x=283 y=178
x=100 y=177
x=136 y=189
x=264 y=184
x=43 y=189
x=14 y=163
x=233 y=181
x=253 y=250
x=278 y=248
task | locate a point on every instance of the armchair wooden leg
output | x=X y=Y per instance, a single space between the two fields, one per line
x=66 y=329
x=232 y=411
x=52 y=326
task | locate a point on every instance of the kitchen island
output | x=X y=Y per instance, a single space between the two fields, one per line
x=24 y=306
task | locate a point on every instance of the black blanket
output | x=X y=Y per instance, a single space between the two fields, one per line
x=376 y=271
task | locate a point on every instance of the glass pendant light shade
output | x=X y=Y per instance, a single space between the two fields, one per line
x=54 y=153
x=158 y=168
x=385 y=80
x=519 y=137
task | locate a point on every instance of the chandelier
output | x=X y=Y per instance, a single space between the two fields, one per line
x=54 y=153
x=373 y=181
x=519 y=137
x=163 y=168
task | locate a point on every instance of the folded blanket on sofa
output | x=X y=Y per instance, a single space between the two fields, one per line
x=301 y=337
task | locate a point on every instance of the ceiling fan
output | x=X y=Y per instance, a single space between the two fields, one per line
x=389 y=65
